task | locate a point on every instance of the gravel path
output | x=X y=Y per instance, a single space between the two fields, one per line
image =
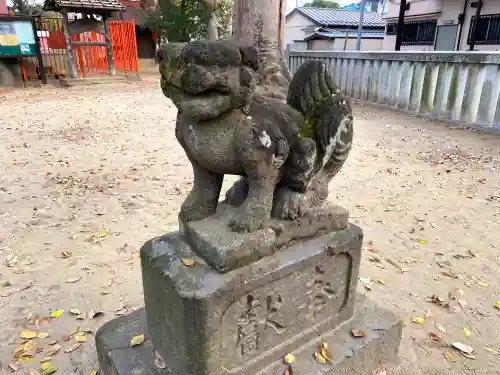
x=88 y=175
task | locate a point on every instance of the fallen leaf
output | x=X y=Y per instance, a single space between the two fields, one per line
x=491 y=350
x=42 y=335
x=463 y=348
x=381 y=371
x=428 y=314
x=54 y=349
x=93 y=372
x=66 y=254
x=75 y=312
x=94 y=313
x=66 y=337
x=403 y=270
x=441 y=328
x=33 y=372
x=466 y=332
x=289 y=358
x=28 y=334
x=56 y=314
x=49 y=369
x=380 y=281
x=80 y=337
x=468 y=355
x=13 y=367
x=358 y=333
x=137 y=340
x=450 y=356
x=288 y=370
x=187 y=262
x=423 y=242
x=418 y=320
x=484 y=284
x=497 y=304
x=435 y=337
x=319 y=358
x=325 y=353
x=159 y=362
x=26 y=350
x=73 y=280
x=10 y=292
x=73 y=347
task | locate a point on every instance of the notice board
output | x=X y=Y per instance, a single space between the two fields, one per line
x=17 y=36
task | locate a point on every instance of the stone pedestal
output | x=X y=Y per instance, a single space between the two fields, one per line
x=242 y=321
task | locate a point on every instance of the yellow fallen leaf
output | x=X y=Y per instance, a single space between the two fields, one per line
x=56 y=314
x=466 y=332
x=491 y=350
x=423 y=242
x=45 y=365
x=380 y=281
x=497 y=304
x=27 y=350
x=80 y=337
x=28 y=334
x=319 y=358
x=137 y=340
x=484 y=284
x=418 y=320
x=93 y=372
x=289 y=358
x=325 y=353
x=187 y=262
x=32 y=372
x=50 y=369
x=403 y=270
x=450 y=357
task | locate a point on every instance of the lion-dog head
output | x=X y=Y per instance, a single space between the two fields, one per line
x=205 y=79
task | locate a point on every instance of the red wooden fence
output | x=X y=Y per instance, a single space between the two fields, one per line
x=90 y=60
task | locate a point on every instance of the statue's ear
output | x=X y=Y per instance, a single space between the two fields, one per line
x=250 y=57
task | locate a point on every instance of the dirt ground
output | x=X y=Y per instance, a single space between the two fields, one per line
x=88 y=175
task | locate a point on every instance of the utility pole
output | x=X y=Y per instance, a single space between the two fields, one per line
x=360 y=27
x=400 y=27
x=474 y=27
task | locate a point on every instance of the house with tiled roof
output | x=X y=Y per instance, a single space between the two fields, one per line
x=332 y=29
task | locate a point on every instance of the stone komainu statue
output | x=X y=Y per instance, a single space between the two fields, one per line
x=286 y=152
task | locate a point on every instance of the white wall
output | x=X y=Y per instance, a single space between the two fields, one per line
x=294 y=26
x=416 y=7
x=449 y=11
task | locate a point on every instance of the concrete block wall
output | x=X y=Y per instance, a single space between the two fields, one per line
x=453 y=86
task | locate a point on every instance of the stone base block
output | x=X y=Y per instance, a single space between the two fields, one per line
x=203 y=322
x=213 y=240
x=351 y=356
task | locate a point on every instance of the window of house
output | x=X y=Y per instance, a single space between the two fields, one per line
x=415 y=32
x=488 y=29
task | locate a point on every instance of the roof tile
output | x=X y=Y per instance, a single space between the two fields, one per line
x=341 y=17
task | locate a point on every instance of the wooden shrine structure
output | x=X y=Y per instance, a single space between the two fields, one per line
x=93 y=16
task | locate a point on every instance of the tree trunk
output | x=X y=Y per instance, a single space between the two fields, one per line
x=261 y=22
x=210 y=5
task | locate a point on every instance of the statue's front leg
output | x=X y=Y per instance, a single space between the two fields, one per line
x=263 y=171
x=202 y=200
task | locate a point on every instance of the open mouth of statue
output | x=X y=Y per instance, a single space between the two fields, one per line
x=205 y=105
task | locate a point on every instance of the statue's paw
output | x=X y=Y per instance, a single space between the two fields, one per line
x=247 y=221
x=194 y=211
x=289 y=204
x=237 y=194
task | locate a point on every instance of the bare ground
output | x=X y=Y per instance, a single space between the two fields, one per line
x=88 y=175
